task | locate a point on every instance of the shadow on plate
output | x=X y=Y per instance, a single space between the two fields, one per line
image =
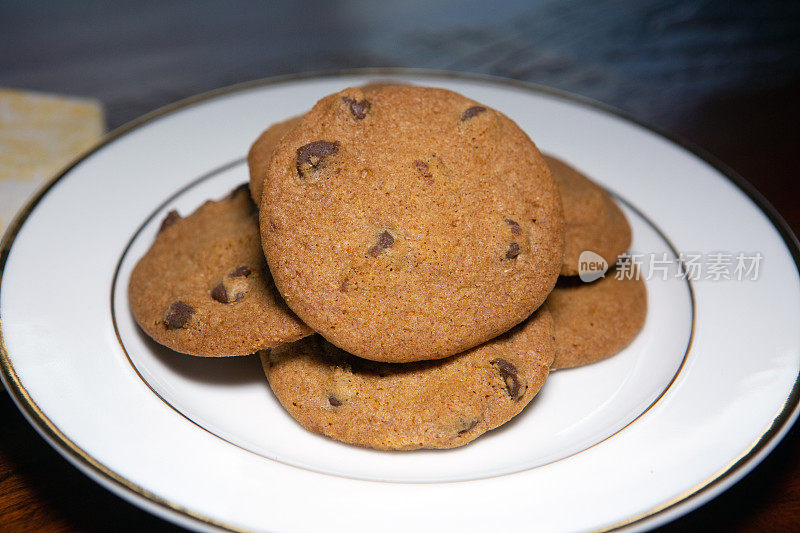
x=224 y=371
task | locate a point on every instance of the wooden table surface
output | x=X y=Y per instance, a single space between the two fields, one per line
x=724 y=75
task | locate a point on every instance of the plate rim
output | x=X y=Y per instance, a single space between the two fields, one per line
x=125 y=488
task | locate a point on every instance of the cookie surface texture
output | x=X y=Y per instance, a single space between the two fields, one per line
x=410 y=223
x=595 y=320
x=429 y=404
x=204 y=289
x=593 y=220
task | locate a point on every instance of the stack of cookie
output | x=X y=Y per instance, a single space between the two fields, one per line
x=396 y=264
x=593 y=320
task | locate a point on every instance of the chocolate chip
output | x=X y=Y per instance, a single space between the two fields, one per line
x=178 y=315
x=423 y=169
x=513 y=251
x=236 y=297
x=514 y=385
x=276 y=226
x=466 y=425
x=234 y=288
x=222 y=294
x=219 y=293
x=471 y=112
x=359 y=108
x=244 y=187
x=343 y=285
x=311 y=156
x=240 y=271
x=171 y=218
x=334 y=401
x=515 y=229
x=385 y=240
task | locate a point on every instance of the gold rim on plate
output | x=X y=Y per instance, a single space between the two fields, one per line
x=124 y=487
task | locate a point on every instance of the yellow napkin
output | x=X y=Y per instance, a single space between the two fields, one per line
x=39 y=135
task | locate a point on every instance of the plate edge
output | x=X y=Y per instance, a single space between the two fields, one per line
x=704 y=491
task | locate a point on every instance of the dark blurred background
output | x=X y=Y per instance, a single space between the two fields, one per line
x=725 y=75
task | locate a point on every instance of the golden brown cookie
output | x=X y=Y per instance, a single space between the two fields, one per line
x=204 y=289
x=410 y=223
x=261 y=152
x=595 y=320
x=594 y=222
x=429 y=404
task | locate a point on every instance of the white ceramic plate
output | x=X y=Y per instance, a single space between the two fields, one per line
x=704 y=392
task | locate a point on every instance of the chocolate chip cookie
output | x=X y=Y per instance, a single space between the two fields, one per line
x=595 y=320
x=204 y=289
x=410 y=223
x=594 y=222
x=429 y=404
